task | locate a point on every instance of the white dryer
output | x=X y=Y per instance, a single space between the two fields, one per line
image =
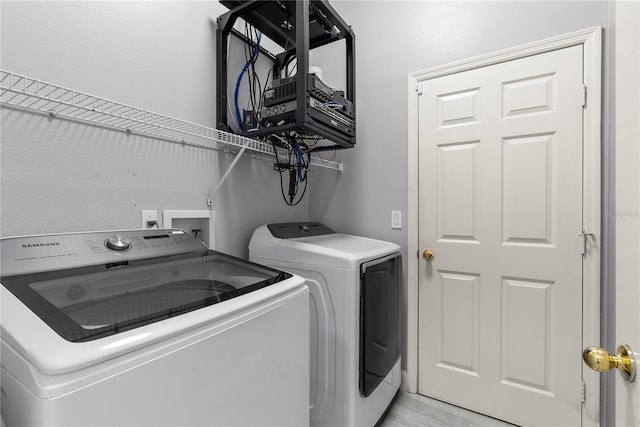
x=148 y=328
x=355 y=287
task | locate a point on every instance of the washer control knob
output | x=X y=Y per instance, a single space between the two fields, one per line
x=118 y=243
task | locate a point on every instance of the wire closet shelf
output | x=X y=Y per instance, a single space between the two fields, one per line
x=36 y=95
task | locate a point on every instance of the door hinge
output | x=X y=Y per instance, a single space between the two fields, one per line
x=419 y=88
x=584 y=96
x=583 y=244
x=583 y=391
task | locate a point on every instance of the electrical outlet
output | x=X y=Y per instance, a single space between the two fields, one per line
x=149 y=219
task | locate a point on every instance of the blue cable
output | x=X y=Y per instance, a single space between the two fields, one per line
x=300 y=161
x=254 y=55
x=300 y=158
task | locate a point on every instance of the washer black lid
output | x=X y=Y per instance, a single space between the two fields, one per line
x=87 y=303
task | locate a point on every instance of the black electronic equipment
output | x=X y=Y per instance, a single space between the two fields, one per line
x=325 y=104
x=285 y=113
x=284 y=90
x=301 y=104
x=249 y=120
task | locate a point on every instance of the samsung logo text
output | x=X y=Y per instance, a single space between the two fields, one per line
x=40 y=245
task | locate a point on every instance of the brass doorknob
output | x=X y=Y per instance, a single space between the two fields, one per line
x=600 y=360
x=428 y=255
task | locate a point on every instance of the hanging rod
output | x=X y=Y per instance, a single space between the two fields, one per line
x=36 y=95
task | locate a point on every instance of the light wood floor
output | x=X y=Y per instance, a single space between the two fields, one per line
x=413 y=410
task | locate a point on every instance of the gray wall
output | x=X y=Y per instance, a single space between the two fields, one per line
x=60 y=176
x=395 y=38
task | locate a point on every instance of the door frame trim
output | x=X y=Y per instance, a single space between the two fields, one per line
x=591 y=41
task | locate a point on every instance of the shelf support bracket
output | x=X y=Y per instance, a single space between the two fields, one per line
x=226 y=174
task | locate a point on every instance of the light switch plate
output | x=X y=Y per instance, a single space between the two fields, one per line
x=396 y=219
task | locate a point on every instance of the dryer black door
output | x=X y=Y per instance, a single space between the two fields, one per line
x=379 y=320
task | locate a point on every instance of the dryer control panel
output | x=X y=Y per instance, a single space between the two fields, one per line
x=33 y=254
x=292 y=230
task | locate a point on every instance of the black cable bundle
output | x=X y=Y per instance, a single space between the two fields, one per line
x=253 y=35
x=296 y=165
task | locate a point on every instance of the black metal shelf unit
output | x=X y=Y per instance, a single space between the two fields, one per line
x=316 y=24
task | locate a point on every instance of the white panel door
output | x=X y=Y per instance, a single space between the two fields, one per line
x=500 y=184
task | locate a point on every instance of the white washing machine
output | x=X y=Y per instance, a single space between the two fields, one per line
x=355 y=287
x=148 y=328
